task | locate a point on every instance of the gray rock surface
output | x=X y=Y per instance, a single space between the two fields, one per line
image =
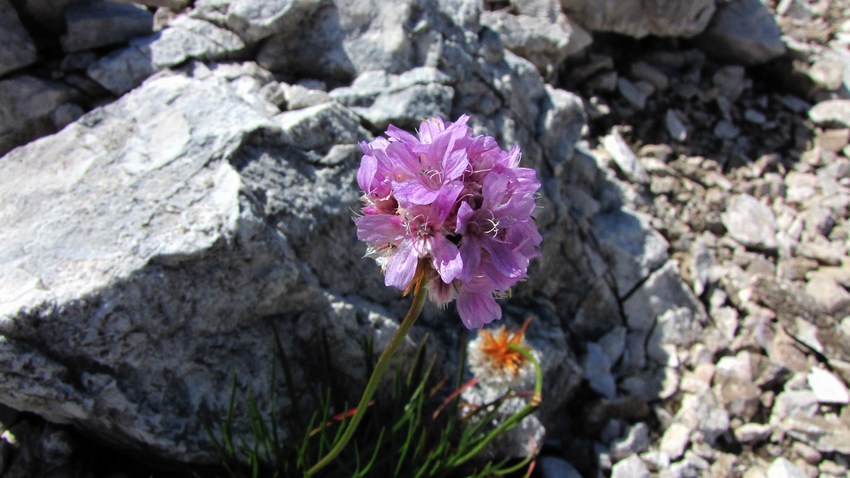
x=744 y=32
x=16 y=47
x=639 y=18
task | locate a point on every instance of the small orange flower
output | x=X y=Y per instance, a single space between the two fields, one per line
x=496 y=347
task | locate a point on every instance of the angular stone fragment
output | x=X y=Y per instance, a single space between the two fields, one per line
x=831 y=113
x=752 y=432
x=103 y=23
x=624 y=157
x=631 y=247
x=750 y=222
x=539 y=40
x=16 y=47
x=675 y=440
x=827 y=387
x=638 y=19
x=254 y=20
x=185 y=38
x=631 y=467
x=744 y=32
x=26 y=104
x=403 y=100
x=665 y=293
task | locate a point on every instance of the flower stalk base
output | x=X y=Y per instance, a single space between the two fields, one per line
x=419 y=295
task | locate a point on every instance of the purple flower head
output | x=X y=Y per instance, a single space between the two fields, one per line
x=456 y=201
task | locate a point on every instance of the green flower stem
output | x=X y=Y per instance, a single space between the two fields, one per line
x=511 y=422
x=381 y=367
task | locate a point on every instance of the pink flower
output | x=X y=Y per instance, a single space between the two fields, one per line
x=457 y=201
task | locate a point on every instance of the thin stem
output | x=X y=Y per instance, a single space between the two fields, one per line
x=511 y=422
x=383 y=362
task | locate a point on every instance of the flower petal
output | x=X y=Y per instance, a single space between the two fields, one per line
x=402 y=266
x=446 y=259
x=380 y=228
x=477 y=308
x=401 y=135
x=464 y=215
x=366 y=173
x=412 y=193
x=470 y=253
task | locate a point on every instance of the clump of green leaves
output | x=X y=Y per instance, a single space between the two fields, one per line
x=413 y=429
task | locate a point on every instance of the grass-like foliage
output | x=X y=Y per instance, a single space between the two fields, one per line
x=413 y=428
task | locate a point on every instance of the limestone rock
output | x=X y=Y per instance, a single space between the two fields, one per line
x=254 y=20
x=631 y=467
x=559 y=126
x=831 y=112
x=782 y=468
x=630 y=246
x=26 y=103
x=665 y=293
x=744 y=32
x=675 y=440
x=750 y=222
x=639 y=18
x=543 y=42
x=597 y=371
x=185 y=38
x=146 y=192
x=827 y=387
x=403 y=100
x=339 y=41
x=16 y=47
x=104 y=23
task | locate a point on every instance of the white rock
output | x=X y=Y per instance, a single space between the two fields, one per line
x=782 y=468
x=631 y=467
x=675 y=440
x=831 y=112
x=624 y=157
x=827 y=387
x=829 y=294
x=753 y=432
x=750 y=222
x=636 y=441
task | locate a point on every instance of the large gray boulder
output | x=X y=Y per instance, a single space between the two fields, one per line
x=639 y=18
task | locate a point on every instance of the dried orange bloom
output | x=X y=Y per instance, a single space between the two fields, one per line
x=497 y=348
x=491 y=358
